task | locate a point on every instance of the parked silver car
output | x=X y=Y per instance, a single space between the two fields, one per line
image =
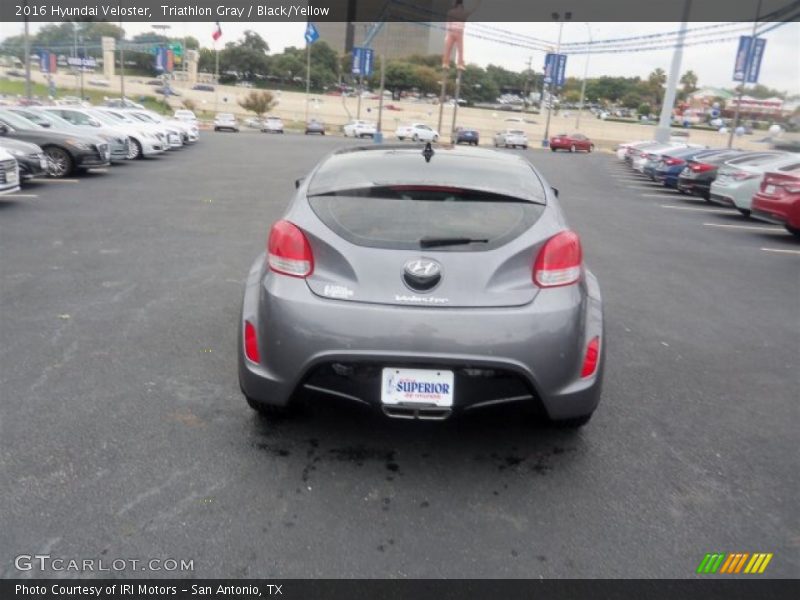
x=511 y=138
x=423 y=283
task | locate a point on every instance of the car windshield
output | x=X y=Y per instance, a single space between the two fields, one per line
x=17 y=121
x=119 y=117
x=393 y=166
x=104 y=118
x=225 y=116
x=42 y=118
x=516 y=132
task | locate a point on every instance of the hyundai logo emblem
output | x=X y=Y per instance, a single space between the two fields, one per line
x=422 y=274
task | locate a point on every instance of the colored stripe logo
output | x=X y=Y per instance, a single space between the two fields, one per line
x=734 y=563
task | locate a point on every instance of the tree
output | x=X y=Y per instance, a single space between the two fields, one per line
x=644 y=109
x=689 y=82
x=258 y=102
x=655 y=83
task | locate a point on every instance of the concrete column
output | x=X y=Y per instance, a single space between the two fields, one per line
x=192 y=57
x=109 y=46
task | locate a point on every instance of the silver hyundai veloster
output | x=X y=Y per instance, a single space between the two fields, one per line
x=423 y=283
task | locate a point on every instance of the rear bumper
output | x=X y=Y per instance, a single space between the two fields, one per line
x=530 y=353
x=721 y=199
x=693 y=187
x=776 y=211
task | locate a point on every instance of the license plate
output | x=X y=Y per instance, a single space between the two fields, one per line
x=770 y=189
x=417 y=387
x=11 y=176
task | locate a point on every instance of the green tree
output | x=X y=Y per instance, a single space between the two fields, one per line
x=655 y=82
x=689 y=83
x=259 y=102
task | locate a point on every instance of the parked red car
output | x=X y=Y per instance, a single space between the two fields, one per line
x=778 y=200
x=572 y=142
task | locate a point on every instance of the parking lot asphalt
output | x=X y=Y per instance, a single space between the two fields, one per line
x=123 y=433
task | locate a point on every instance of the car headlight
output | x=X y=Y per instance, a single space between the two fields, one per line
x=78 y=144
x=17 y=152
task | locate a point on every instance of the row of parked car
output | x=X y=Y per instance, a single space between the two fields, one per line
x=59 y=141
x=763 y=184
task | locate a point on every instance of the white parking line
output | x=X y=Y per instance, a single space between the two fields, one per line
x=19 y=196
x=56 y=180
x=748 y=227
x=708 y=210
x=781 y=251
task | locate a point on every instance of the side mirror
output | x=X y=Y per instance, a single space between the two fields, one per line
x=45 y=124
x=298 y=181
x=555 y=191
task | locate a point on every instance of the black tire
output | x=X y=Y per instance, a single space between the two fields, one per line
x=134 y=149
x=574 y=423
x=745 y=212
x=400 y=138
x=267 y=410
x=415 y=138
x=61 y=161
x=572 y=148
x=793 y=230
x=553 y=149
x=524 y=147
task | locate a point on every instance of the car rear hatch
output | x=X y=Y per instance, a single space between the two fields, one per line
x=413 y=235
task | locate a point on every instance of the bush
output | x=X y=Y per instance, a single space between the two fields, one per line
x=189 y=104
x=643 y=109
x=258 y=102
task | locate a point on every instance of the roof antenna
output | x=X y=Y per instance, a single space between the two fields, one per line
x=428 y=152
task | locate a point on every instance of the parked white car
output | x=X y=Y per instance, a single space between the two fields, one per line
x=9 y=173
x=359 y=129
x=418 y=132
x=187 y=116
x=226 y=122
x=172 y=131
x=147 y=140
x=511 y=138
x=736 y=184
x=272 y=124
x=190 y=132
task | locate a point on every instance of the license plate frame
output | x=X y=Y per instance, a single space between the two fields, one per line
x=417 y=387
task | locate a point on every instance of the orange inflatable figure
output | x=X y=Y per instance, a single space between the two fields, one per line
x=454 y=38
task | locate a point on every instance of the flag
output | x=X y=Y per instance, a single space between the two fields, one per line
x=312 y=35
x=217 y=32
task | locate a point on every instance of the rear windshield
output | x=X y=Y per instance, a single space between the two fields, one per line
x=755 y=160
x=414 y=217
x=493 y=173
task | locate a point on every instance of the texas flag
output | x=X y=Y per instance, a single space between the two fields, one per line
x=217 y=32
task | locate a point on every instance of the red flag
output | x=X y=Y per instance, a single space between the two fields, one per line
x=217 y=32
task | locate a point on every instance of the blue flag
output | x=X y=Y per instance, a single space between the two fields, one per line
x=312 y=35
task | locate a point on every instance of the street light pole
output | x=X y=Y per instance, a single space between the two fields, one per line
x=557 y=17
x=585 y=75
x=744 y=80
x=665 y=120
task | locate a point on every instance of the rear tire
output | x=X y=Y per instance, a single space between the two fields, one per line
x=415 y=138
x=553 y=149
x=267 y=410
x=134 y=149
x=793 y=230
x=574 y=423
x=745 y=212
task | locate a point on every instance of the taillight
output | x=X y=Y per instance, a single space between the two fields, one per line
x=592 y=358
x=701 y=167
x=559 y=261
x=674 y=161
x=288 y=250
x=251 y=343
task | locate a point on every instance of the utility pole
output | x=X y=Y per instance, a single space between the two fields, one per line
x=27 y=50
x=308 y=76
x=383 y=81
x=585 y=75
x=528 y=79
x=665 y=120
x=744 y=80
x=546 y=140
x=83 y=63
x=122 y=61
